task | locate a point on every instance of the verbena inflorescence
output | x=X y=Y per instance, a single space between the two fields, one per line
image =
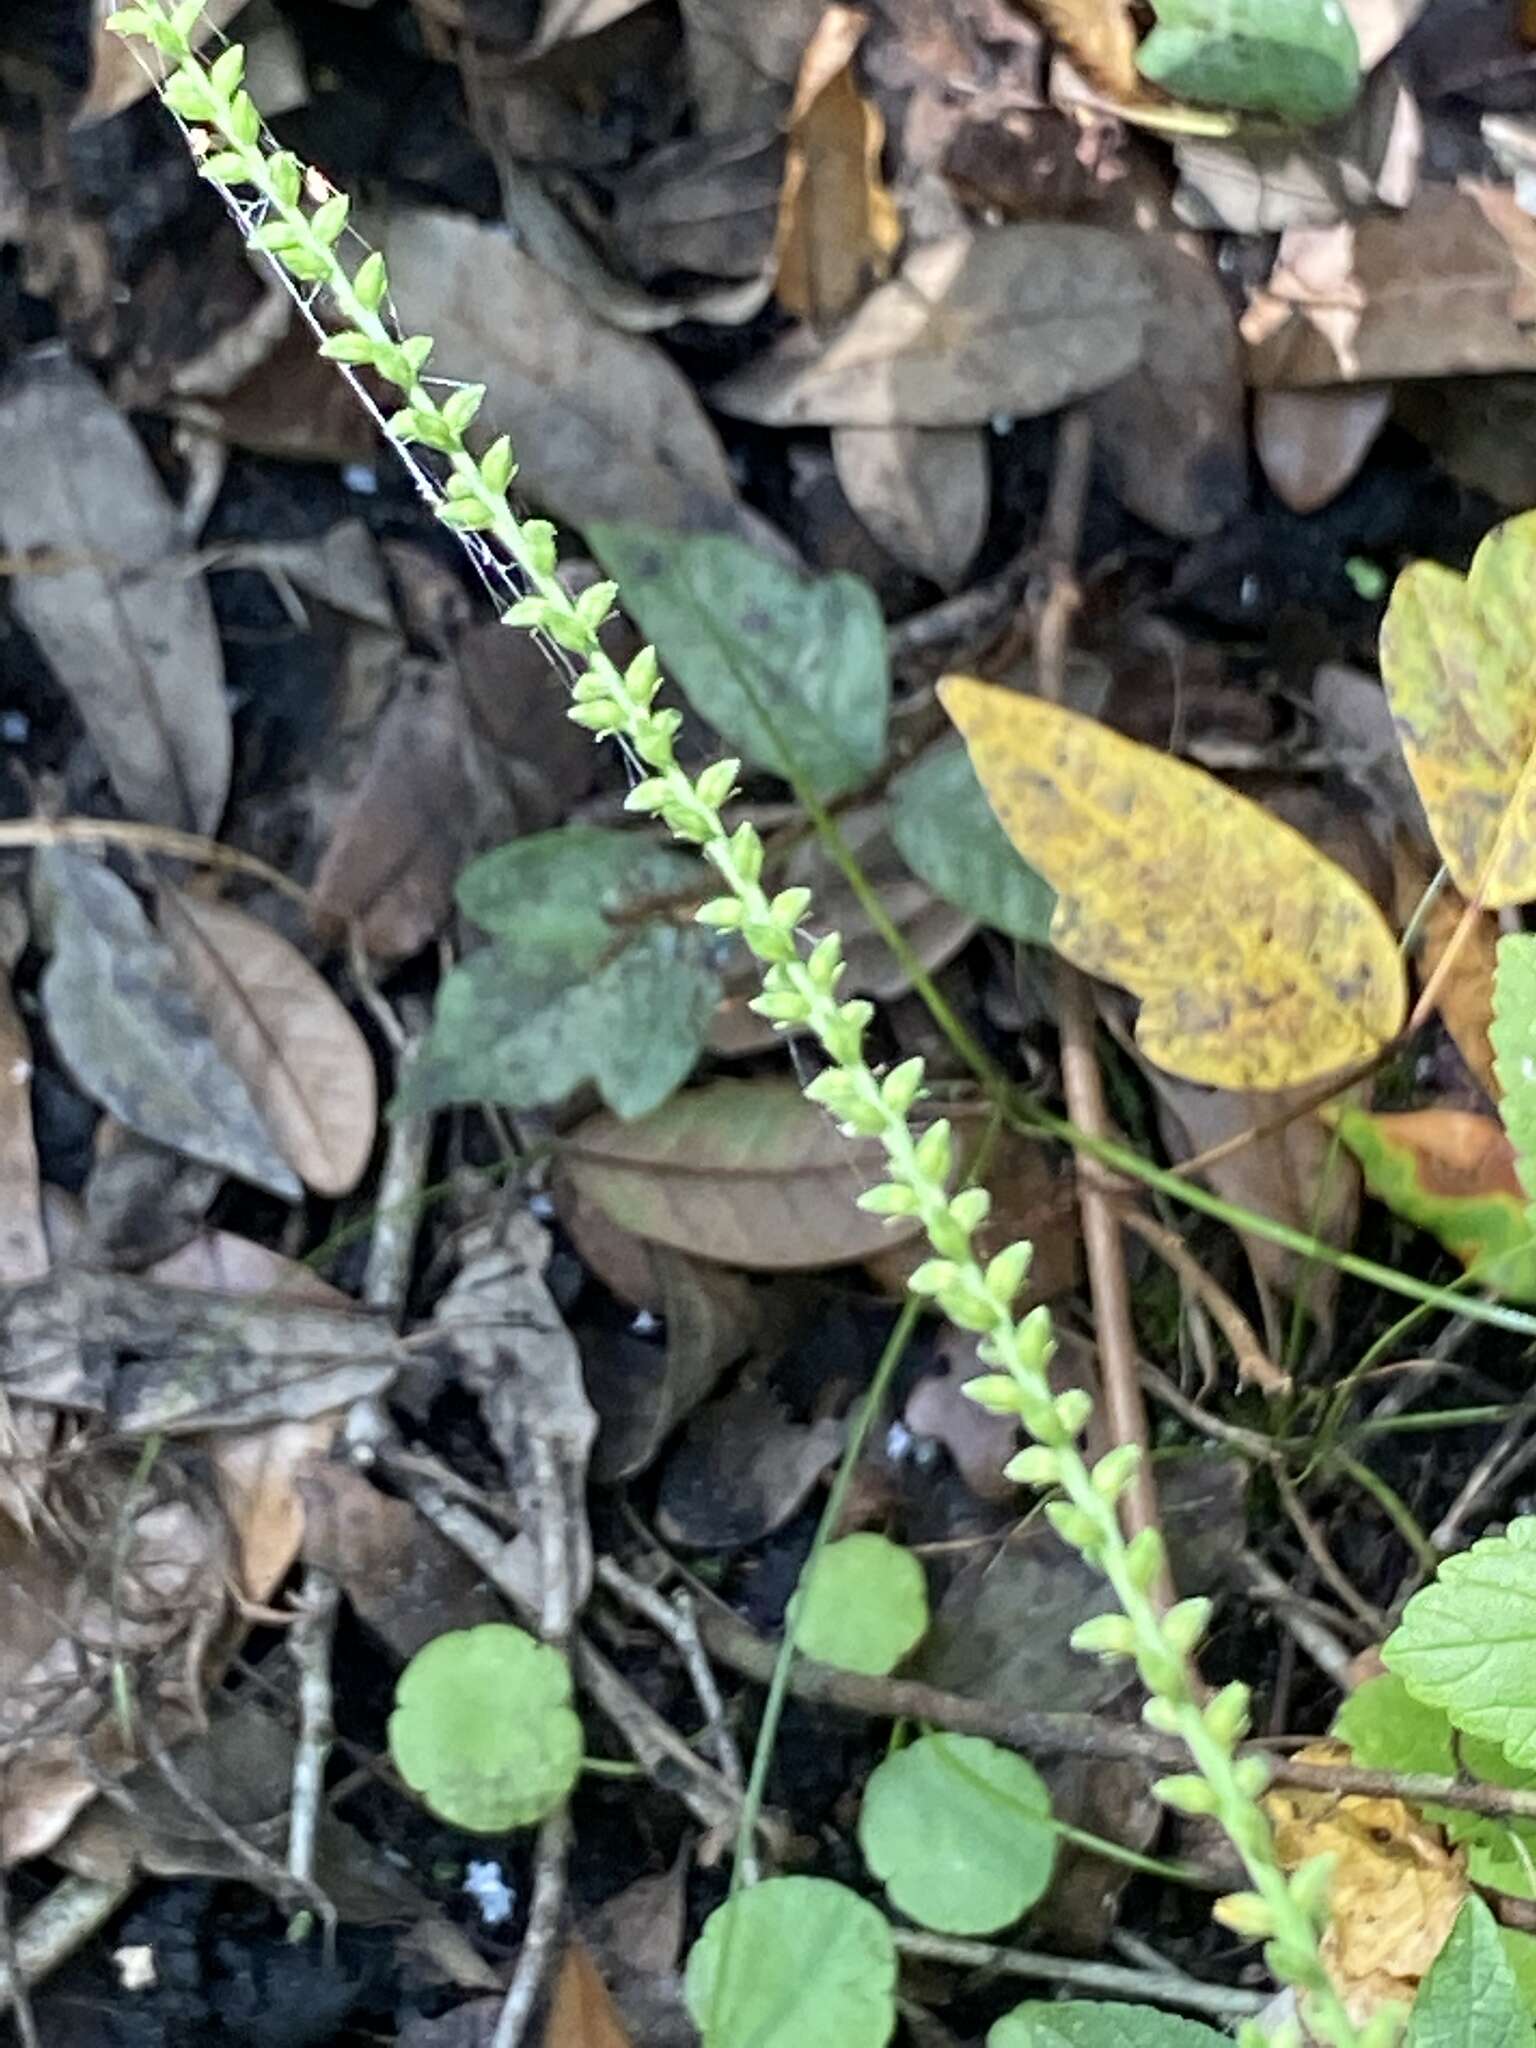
x=301 y=224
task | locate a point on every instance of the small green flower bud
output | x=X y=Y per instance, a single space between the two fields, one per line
x=371 y=284
x=227 y=70
x=746 y=850
x=460 y=407
x=540 y=557
x=1163 y=1672
x=935 y=1153
x=1226 y=1716
x=1160 y=1714
x=931 y=1278
x=466 y=515
x=244 y=123
x=1146 y=1559
x=417 y=349
x=1037 y=1346
x=902 y=1086
x=1298 y=1966
x=1184 y=1625
x=285 y=174
x=1074 y=1526
x=1311 y=1883
x=780 y=1007
x=833 y=1090
x=227 y=167
x=890 y=1198
x=185 y=93
x=1033 y=1466
x=348 y=347
x=601 y=715
x=717 y=784
x=1007 y=1272
x=789 y=906
x=306 y=265
x=529 y=612
x=433 y=431
x=1109 y=1636
x=595 y=604
x=1074 y=1409
x=996 y=1392
x=1251 y=1775
x=647 y=797
x=1115 y=1470
x=329 y=218
x=273 y=236
x=185 y=16
x=971 y=1311
x=1186 y=1794
x=1247 y=1914
x=720 y=913
x=970 y=1208
x=824 y=962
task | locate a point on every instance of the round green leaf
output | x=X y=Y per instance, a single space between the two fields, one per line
x=864 y=1606
x=1088 y=2023
x=946 y=832
x=798 y=1962
x=958 y=1831
x=483 y=1728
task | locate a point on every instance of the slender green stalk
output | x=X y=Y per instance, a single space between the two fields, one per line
x=800 y=991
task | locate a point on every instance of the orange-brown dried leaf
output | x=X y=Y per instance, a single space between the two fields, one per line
x=838 y=227
x=1259 y=962
x=1100 y=37
x=1396 y=1887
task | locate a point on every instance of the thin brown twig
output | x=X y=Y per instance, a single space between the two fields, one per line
x=1328 y=1567
x=1254 y=1364
x=1146 y=1987
x=1082 y=1082
x=140 y=838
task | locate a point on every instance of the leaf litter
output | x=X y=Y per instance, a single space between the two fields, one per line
x=223 y=616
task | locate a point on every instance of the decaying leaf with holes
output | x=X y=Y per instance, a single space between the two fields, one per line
x=1458 y=658
x=1396 y=1887
x=1259 y=962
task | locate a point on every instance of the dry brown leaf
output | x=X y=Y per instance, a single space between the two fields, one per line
x=1445 y=288
x=1172 y=431
x=582 y=2013
x=745 y=1172
x=604 y=421
x=924 y=493
x=838 y=226
x=1396 y=1888
x=1100 y=37
x=306 y=1064
x=23 y=1247
x=122 y=620
x=1006 y=320
x=1466 y=993
x=1311 y=443
x=743 y=61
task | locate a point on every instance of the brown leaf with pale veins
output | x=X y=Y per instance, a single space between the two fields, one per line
x=306 y=1064
x=838 y=225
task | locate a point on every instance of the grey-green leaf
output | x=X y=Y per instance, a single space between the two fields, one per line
x=1297 y=59
x=1467 y=1642
x=127 y=1028
x=634 y=1027
x=558 y=898
x=1086 y=2023
x=790 y=670
x=1471 y=1996
x=1514 y=1048
x=796 y=1962
x=948 y=834
x=959 y=1832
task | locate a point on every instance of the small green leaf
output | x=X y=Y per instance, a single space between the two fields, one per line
x=484 y=1730
x=791 y=671
x=958 y=1831
x=1514 y=1047
x=797 y=1962
x=1388 y=1729
x=565 y=899
x=1297 y=59
x=1468 y=1641
x=1085 y=2023
x=1471 y=1996
x=864 y=1607
x=946 y=832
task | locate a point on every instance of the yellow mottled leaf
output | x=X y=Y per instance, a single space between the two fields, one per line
x=1258 y=961
x=1458 y=658
x=1396 y=1887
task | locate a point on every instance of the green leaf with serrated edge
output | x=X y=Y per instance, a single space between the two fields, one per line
x=1471 y=1997
x=1085 y=2023
x=790 y=670
x=484 y=1730
x=959 y=1833
x=1386 y=1728
x=796 y=1962
x=1425 y=1165
x=946 y=832
x=1513 y=1033
x=1297 y=59
x=633 y=1026
x=1468 y=1641
x=864 y=1607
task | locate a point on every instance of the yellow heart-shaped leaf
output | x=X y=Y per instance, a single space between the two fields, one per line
x=1458 y=658
x=1259 y=962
